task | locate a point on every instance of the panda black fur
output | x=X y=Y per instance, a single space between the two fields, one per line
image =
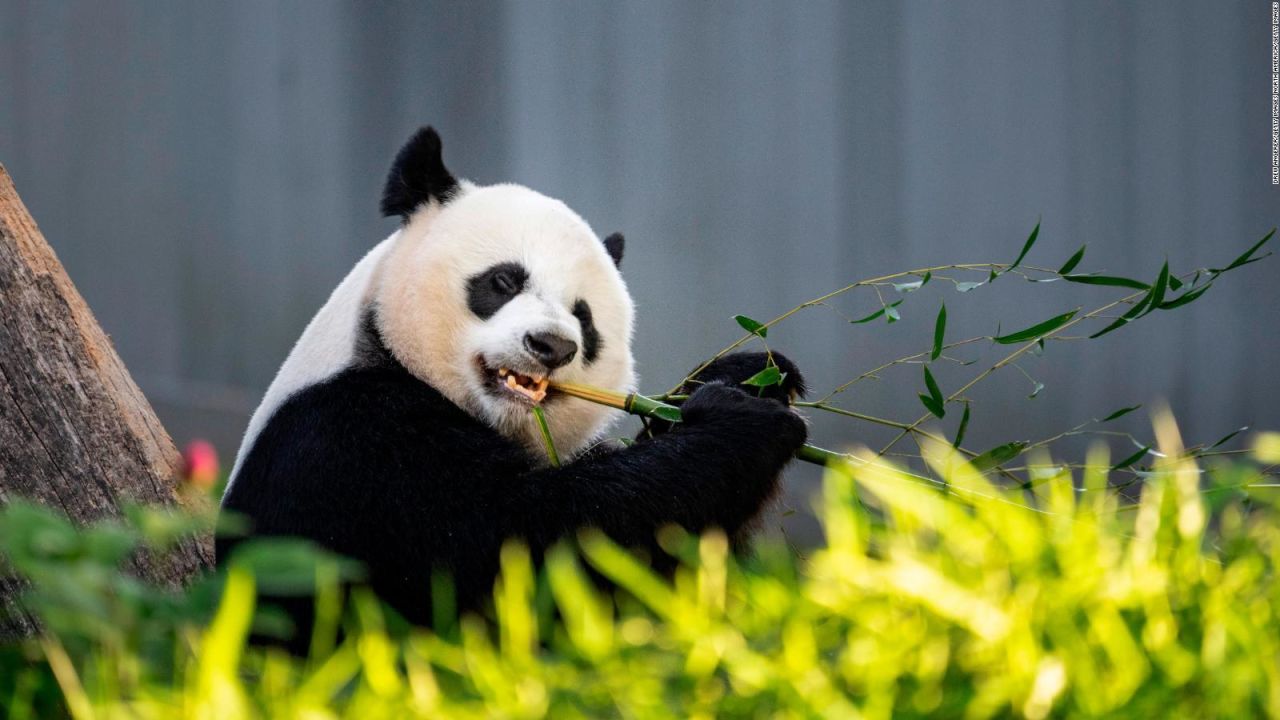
x=389 y=437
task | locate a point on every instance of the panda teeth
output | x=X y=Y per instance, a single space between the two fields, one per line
x=532 y=387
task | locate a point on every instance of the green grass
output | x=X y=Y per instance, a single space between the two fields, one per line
x=953 y=599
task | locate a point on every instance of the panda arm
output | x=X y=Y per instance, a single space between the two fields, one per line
x=718 y=469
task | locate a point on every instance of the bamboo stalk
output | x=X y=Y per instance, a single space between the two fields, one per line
x=547 y=442
x=648 y=407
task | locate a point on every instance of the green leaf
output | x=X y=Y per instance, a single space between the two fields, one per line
x=1073 y=261
x=1120 y=413
x=108 y=543
x=907 y=287
x=964 y=425
x=932 y=405
x=1174 y=283
x=1162 y=284
x=891 y=313
x=1247 y=257
x=932 y=384
x=939 y=331
x=877 y=313
x=767 y=377
x=1107 y=280
x=1031 y=240
x=670 y=414
x=1186 y=297
x=1228 y=437
x=1037 y=330
x=1038 y=387
x=935 y=401
x=1131 y=459
x=1142 y=307
x=290 y=566
x=752 y=326
x=998 y=455
x=967 y=286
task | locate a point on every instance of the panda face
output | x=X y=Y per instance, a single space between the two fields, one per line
x=492 y=294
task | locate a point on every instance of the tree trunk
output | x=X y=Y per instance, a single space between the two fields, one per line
x=75 y=432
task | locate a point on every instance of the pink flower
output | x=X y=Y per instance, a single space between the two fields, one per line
x=200 y=464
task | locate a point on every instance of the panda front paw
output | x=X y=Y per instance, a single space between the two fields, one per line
x=737 y=368
x=753 y=423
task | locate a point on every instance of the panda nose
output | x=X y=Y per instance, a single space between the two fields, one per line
x=550 y=349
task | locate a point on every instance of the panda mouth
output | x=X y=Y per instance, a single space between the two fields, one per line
x=531 y=389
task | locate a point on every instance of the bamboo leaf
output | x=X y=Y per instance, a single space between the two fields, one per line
x=891 y=314
x=1120 y=413
x=932 y=384
x=939 y=331
x=1026 y=247
x=1038 y=387
x=1131 y=459
x=967 y=286
x=1228 y=437
x=1247 y=257
x=877 y=313
x=964 y=425
x=1186 y=297
x=868 y=318
x=1072 y=261
x=1037 y=330
x=931 y=405
x=998 y=455
x=670 y=414
x=1162 y=284
x=767 y=377
x=914 y=285
x=1140 y=308
x=934 y=401
x=1107 y=280
x=752 y=326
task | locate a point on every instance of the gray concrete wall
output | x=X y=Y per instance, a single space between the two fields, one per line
x=208 y=171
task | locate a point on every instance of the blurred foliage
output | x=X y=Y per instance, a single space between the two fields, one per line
x=958 y=598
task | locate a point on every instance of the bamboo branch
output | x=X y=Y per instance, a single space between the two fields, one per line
x=655 y=409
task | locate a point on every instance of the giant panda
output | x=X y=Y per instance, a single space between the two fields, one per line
x=398 y=431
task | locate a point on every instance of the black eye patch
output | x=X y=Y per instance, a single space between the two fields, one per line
x=488 y=291
x=590 y=336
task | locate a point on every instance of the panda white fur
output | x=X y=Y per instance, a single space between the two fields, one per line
x=398 y=431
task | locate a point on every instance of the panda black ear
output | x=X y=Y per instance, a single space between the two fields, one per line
x=417 y=176
x=614 y=244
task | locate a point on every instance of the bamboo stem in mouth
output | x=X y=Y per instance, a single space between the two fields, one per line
x=651 y=408
x=594 y=394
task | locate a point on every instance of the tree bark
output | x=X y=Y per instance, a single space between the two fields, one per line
x=76 y=433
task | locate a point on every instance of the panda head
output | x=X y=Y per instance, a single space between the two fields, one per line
x=488 y=292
